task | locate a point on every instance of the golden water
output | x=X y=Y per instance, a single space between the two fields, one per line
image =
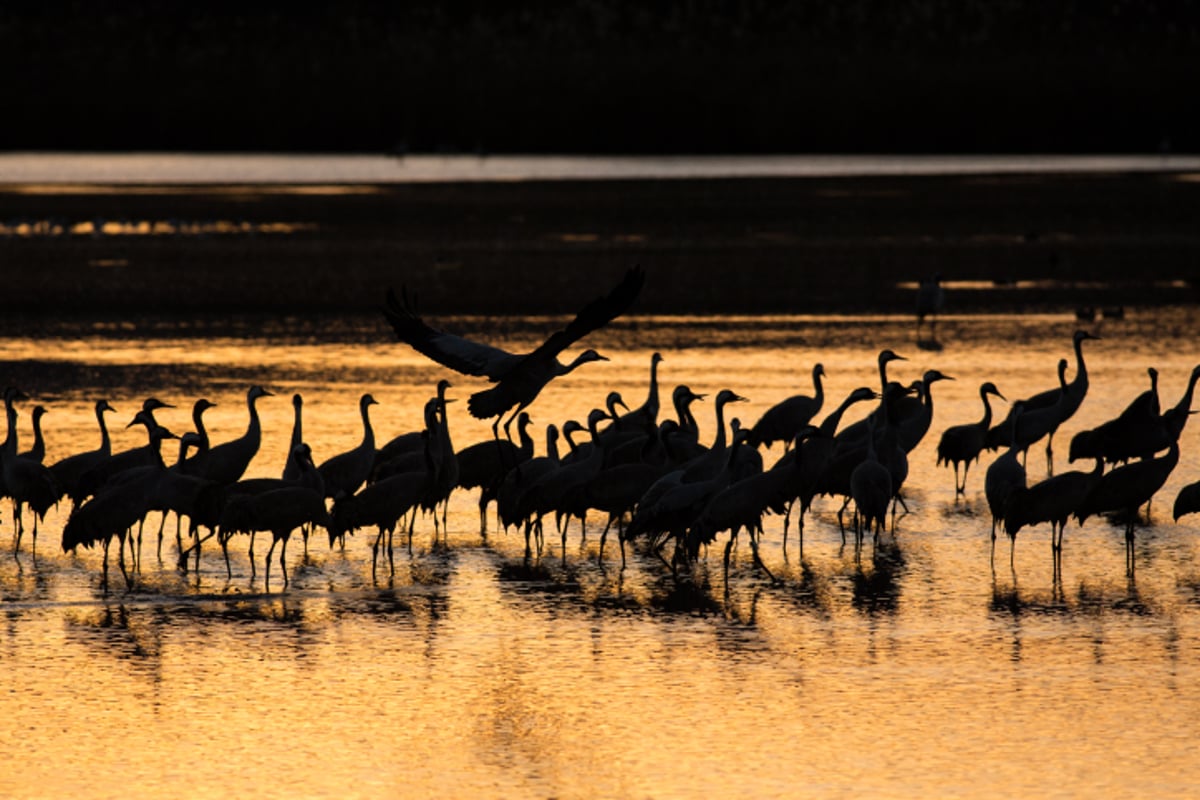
x=917 y=670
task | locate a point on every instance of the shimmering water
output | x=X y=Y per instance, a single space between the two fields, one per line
x=915 y=670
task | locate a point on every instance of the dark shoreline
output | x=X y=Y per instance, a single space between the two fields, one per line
x=785 y=245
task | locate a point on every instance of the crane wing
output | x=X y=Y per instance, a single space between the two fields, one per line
x=596 y=314
x=459 y=354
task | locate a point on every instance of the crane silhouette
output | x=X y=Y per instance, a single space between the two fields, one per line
x=71 y=469
x=485 y=465
x=931 y=299
x=1053 y=500
x=1074 y=392
x=1004 y=476
x=26 y=480
x=347 y=471
x=228 y=461
x=279 y=511
x=961 y=444
x=519 y=378
x=784 y=420
x=871 y=488
x=1125 y=489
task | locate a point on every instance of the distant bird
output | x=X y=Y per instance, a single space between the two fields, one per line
x=1037 y=423
x=818 y=450
x=37 y=452
x=209 y=503
x=855 y=435
x=647 y=413
x=485 y=465
x=931 y=299
x=715 y=459
x=680 y=437
x=1004 y=476
x=347 y=471
x=519 y=378
x=118 y=506
x=1125 y=489
x=93 y=479
x=784 y=420
x=26 y=480
x=743 y=503
x=961 y=444
x=279 y=511
x=511 y=503
x=444 y=460
x=382 y=504
x=871 y=489
x=914 y=415
x=292 y=468
x=228 y=461
x=69 y=470
x=1075 y=392
x=1137 y=432
x=1053 y=500
x=197 y=439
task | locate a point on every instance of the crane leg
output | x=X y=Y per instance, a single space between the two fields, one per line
x=603 y=537
x=121 y=564
x=757 y=560
x=375 y=552
x=267 y=566
x=283 y=559
x=104 y=568
x=787 y=517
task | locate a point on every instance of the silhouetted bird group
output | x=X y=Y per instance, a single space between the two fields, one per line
x=648 y=475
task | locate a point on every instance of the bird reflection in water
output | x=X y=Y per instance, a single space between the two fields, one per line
x=877 y=589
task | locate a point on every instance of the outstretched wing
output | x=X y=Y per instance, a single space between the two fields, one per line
x=459 y=354
x=596 y=314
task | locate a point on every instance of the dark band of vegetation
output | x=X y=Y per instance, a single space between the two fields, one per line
x=603 y=76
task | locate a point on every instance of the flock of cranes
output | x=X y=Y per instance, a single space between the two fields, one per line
x=646 y=471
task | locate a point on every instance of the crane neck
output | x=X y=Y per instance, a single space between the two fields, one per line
x=526 y=448
x=10 y=442
x=652 y=403
x=297 y=425
x=818 y=387
x=201 y=443
x=829 y=425
x=105 y=439
x=552 y=442
x=719 y=442
x=1185 y=403
x=986 y=422
x=368 y=439
x=38 y=453
x=1081 y=376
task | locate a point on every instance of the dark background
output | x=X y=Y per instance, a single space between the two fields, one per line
x=603 y=76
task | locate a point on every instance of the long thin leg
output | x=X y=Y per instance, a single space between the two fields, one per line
x=283 y=558
x=267 y=565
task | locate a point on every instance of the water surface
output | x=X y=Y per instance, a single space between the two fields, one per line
x=915 y=669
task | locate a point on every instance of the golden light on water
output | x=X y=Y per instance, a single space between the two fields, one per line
x=913 y=671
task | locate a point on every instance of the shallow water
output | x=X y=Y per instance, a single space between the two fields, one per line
x=915 y=670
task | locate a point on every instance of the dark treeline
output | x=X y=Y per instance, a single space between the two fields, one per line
x=604 y=76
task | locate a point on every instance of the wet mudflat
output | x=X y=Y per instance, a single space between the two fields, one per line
x=913 y=668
